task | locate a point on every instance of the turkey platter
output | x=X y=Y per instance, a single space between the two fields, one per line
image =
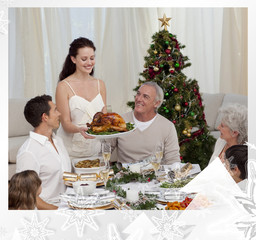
x=107 y=122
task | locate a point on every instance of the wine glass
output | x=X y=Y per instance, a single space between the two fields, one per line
x=106 y=151
x=155 y=162
x=158 y=157
x=104 y=173
x=159 y=151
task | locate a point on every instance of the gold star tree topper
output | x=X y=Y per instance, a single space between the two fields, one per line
x=165 y=21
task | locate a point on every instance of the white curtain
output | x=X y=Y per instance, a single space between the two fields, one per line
x=212 y=36
x=234 y=58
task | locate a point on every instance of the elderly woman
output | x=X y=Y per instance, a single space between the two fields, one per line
x=233 y=129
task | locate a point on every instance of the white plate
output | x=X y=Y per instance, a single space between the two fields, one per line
x=93 y=206
x=114 y=135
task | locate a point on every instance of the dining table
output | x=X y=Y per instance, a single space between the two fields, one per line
x=135 y=192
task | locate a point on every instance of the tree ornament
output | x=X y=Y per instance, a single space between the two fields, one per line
x=172 y=70
x=156 y=62
x=176 y=90
x=166 y=94
x=189 y=135
x=155 y=52
x=168 y=51
x=176 y=65
x=165 y=22
x=192 y=114
x=182 y=115
x=186 y=104
x=185 y=132
x=174 y=121
x=172 y=87
x=156 y=69
x=167 y=111
x=145 y=65
x=195 y=90
x=166 y=42
x=170 y=47
x=177 y=107
x=165 y=108
x=161 y=65
x=181 y=157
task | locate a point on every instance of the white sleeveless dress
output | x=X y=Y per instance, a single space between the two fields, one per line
x=81 y=112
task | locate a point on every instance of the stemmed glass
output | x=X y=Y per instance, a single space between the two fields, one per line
x=156 y=161
x=104 y=173
x=106 y=151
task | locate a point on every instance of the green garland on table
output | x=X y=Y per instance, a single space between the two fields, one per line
x=144 y=203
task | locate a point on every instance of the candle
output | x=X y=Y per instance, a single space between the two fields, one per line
x=132 y=195
x=135 y=168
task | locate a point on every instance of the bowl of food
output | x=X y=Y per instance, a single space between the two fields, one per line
x=84 y=188
x=87 y=165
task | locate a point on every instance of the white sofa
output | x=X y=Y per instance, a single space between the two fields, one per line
x=212 y=103
x=18 y=131
x=19 y=128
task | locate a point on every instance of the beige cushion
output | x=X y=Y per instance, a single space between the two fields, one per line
x=211 y=103
x=14 y=145
x=229 y=99
x=18 y=126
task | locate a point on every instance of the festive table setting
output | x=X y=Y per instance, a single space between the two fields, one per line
x=137 y=186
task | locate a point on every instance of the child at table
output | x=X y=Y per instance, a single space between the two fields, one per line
x=24 y=187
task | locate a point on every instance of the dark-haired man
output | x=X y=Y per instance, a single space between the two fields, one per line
x=44 y=152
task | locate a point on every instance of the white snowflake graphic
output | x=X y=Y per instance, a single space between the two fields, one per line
x=80 y=218
x=6 y=3
x=168 y=227
x=35 y=230
x=131 y=215
x=113 y=234
x=249 y=202
x=3 y=233
x=3 y=23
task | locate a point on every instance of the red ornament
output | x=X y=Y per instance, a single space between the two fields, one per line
x=181 y=157
x=175 y=90
x=172 y=71
x=156 y=62
x=181 y=97
x=186 y=104
x=168 y=51
x=184 y=84
x=169 y=58
x=195 y=90
x=182 y=115
x=174 y=121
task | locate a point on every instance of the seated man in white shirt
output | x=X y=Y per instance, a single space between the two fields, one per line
x=152 y=129
x=44 y=152
x=236 y=159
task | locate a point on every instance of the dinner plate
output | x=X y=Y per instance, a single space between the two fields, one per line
x=69 y=183
x=102 y=206
x=114 y=135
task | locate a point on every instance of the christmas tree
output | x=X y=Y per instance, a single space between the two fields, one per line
x=182 y=100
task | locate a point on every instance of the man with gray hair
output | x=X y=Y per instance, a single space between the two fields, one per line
x=151 y=130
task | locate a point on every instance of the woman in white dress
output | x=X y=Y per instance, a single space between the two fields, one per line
x=78 y=97
x=233 y=129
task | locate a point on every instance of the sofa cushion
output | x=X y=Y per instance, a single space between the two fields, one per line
x=211 y=102
x=11 y=170
x=14 y=145
x=229 y=99
x=18 y=126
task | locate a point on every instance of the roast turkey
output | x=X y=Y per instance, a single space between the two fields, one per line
x=107 y=122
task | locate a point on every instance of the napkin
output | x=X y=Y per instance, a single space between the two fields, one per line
x=215 y=175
